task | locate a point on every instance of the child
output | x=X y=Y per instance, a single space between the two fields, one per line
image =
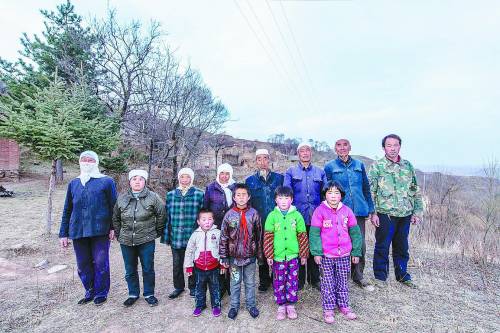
x=203 y=251
x=285 y=239
x=240 y=248
x=183 y=205
x=334 y=233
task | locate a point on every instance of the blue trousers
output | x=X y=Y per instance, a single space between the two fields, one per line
x=146 y=253
x=393 y=230
x=210 y=278
x=247 y=275
x=92 y=259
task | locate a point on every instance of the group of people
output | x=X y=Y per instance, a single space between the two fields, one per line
x=307 y=225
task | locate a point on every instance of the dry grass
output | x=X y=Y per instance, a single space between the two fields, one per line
x=456 y=295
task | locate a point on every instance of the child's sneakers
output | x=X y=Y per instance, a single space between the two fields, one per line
x=290 y=312
x=254 y=312
x=281 y=314
x=197 y=312
x=216 y=311
x=328 y=316
x=347 y=312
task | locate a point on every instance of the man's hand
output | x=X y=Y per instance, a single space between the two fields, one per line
x=415 y=219
x=270 y=262
x=222 y=270
x=355 y=260
x=317 y=260
x=111 y=234
x=64 y=242
x=375 y=221
x=303 y=261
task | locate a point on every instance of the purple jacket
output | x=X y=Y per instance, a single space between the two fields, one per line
x=215 y=200
x=307 y=184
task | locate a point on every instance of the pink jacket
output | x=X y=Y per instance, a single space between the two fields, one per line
x=334 y=227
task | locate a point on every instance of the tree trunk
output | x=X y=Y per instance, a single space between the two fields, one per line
x=175 y=166
x=150 y=161
x=216 y=155
x=59 y=171
x=52 y=185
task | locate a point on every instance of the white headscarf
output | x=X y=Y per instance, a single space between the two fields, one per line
x=190 y=173
x=138 y=172
x=226 y=168
x=89 y=170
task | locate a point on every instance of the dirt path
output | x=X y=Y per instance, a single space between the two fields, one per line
x=454 y=295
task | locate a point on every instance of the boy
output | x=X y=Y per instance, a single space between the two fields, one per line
x=183 y=205
x=285 y=240
x=240 y=248
x=203 y=251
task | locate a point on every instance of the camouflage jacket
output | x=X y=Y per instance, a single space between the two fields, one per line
x=394 y=188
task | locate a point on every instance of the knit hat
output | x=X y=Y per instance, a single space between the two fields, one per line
x=262 y=152
x=303 y=144
x=186 y=171
x=138 y=172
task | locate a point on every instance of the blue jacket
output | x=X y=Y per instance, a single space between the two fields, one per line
x=88 y=209
x=352 y=176
x=262 y=192
x=307 y=184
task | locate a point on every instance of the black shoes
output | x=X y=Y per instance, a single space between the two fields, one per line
x=85 y=300
x=175 y=293
x=98 y=301
x=254 y=312
x=316 y=286
x=232 y=313
x=152 y=301
x=130 y=301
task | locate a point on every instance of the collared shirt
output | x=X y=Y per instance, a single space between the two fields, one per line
x=307 y=184
x=394 y=188
x=354 y=180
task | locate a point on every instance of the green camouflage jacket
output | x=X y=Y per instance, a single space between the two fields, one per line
x=394 y=188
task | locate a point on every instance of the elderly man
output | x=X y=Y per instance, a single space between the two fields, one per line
x=307 y=182
x=262 y=185
x=397 y=203
x=351 y=174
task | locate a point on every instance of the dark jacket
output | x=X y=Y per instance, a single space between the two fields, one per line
x=262 y=192
x=88 y=209
x=215 y=200
x=232 y=246
x=352 y=176
x=138 y=220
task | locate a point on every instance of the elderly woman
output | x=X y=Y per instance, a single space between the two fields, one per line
x=138 y=219
x=86 y=220
x=218 y=194
x=219 y=199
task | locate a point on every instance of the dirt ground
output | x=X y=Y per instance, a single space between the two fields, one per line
x=455 y=294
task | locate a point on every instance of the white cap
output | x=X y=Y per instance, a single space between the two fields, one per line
x=304 y=144
x=186 y=171
x=138 y=172
x=262 y=152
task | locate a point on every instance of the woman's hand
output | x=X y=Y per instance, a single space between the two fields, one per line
x=111 y=234
x=270 y=262
x=64 y=242
x=317 y=260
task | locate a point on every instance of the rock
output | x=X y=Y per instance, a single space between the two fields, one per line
x=56 y=268
x=42 y=264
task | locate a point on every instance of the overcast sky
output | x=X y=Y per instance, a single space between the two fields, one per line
x=426 y=70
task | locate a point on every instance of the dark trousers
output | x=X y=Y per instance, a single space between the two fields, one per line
x=312 y=270
x=357 y=269
x=210 y=278
x=178 y=270
x=393 y=230
x=146 y=253
x=92 y=259
x=225 y=283
x=264 y=277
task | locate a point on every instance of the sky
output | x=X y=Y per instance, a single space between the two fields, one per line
x=328 y=69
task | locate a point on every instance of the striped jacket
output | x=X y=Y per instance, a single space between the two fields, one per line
x=182 y=211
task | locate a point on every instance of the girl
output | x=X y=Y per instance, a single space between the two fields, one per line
x=334 y=238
